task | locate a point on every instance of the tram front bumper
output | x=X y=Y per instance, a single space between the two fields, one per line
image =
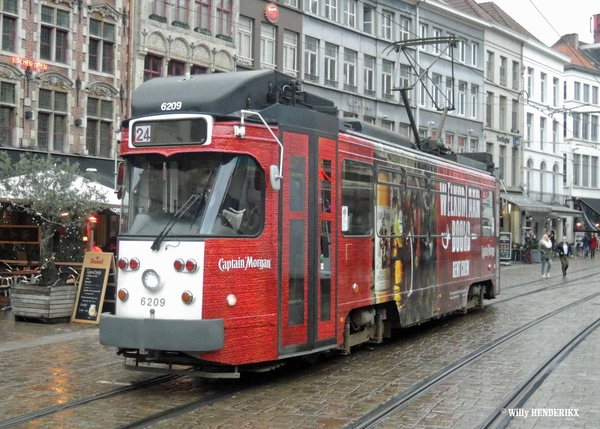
x=162 y=334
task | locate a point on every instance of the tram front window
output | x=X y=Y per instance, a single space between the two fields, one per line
x=193 y=195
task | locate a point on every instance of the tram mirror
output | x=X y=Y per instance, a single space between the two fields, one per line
x=275 y=179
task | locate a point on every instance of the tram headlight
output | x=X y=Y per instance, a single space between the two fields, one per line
x=123 y=263
x=151 y=280
x=134 y=264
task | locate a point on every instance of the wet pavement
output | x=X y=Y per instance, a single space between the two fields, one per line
x=48 y=369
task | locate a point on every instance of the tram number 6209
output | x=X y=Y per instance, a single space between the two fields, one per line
x=153 y=302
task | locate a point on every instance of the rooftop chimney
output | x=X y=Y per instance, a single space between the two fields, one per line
x=571 y=40
x=596 y=27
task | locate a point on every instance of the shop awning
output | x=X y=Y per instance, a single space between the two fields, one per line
x=565 y=211
x=526 y=203
x=591 y=203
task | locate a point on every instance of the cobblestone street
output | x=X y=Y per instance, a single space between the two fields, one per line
x=57 y=376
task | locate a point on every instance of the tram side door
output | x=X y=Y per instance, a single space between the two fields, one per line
x=308 y=269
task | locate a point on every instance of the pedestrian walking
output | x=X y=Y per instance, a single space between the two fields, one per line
x=585 y=242
x=564 y=253
x=545 y=248
x=553 y=240
x=593 y=245
x=529 y=240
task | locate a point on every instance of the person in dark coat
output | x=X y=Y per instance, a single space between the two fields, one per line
x=564 y=253
x=585 y=242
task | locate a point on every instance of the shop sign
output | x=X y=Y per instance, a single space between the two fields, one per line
x=26 y=62
x=272 y=12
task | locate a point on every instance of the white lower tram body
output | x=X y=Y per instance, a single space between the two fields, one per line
x=155 y=317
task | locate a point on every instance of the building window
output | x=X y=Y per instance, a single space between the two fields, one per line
x=543 y=87
x=245 y=26
x=331 y=10
x=577 y=91
x=331 y=55
x=529 y=131
x=576 y=125
x=293 y=3
x=312 y=6
x=503 y=71
x=474 y=144
x=450 y=91
x=474 y=54
x=152 y=67
x=368 y=19
x=204 y=8
x=9 y=15
x=489 y=109
x=449 y=143
x=369 y=74
x=387 y=73
x=514 y=119
x=180 y=10
x=386 y=25
x=267 y=45
x=555 y=133
x=585 y=120
x=99 y=127
x=502 y=114
x=474 y=102
x=461 y=144
x=437 y=33
x=405 y=28
x=101 y=47
x=175 y=68
x=54 y=34
x=462 y=96
x=350 y=13
x=311 y=55
x=515 y=76
x=542 y=133
x=423 y=34
x=555 y=91
x=462 y=51
x=369 y=120
x=350 y=70
x=586 y=93
x=585 y=170
x=594 y=183
x=529 y=83
x=198 y=70
x=436 y=83
x=594 y=128
x=158 y=7
x=502 y=161
x=224 y=17
x=388 y=125
x=576 y=168
x=290 y=53
x=594 y=95
x=7 y=113
x=489 y=66
x=52 y=120
x=514 y=166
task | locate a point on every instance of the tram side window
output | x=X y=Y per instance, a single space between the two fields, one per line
x=487 y=214
x=357 y=198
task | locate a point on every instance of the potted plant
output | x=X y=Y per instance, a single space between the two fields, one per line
x=55 y=197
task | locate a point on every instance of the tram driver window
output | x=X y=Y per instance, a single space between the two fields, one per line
x=357 y=196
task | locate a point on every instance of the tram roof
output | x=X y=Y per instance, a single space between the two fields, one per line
x=224 y=93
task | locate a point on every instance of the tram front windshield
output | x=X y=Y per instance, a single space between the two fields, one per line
x=193 y=195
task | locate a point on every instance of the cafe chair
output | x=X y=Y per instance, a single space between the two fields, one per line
x=5 y=284
x=5 y=267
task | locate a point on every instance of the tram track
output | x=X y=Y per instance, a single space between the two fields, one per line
x=42 y=412
x=406 y=397
x=500 y=418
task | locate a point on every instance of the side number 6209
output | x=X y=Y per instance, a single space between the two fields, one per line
x=171 y=105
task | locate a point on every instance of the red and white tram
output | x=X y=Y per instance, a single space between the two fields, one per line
x=257 y=226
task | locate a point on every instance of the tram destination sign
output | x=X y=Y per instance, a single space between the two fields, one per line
x=21 y=234
x=187 y=131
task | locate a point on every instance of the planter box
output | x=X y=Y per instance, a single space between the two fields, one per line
x=49 y=304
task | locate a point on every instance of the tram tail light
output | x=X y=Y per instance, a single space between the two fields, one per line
x=191 y=265
x=187 y=297
x=123 y=263
x=134 y=264
x=178 y=265
x=123 y=294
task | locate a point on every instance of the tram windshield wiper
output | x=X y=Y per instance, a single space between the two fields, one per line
x=193 y=199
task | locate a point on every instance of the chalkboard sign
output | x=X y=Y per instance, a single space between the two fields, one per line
x=92 y=287
x=22 y=234
x=505 y=245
